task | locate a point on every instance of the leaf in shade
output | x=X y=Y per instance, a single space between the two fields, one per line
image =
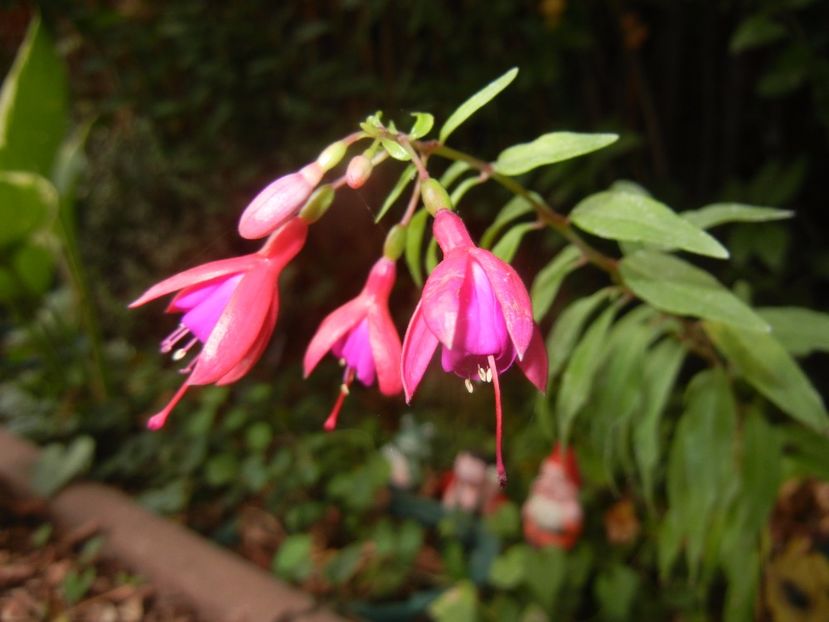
x=549 y=149
x=721 y=213
x=414 y=245
x=800 y=331
x=515 y=208
x=508 y=245
x=404 y=180
x=476 y=102
x=27 y=202
x=549 y=279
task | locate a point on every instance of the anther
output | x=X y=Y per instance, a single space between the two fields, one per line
x=173 y=338
x=468 y=384
x=481 y=374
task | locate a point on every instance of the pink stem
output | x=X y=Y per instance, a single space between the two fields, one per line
x=499 y=458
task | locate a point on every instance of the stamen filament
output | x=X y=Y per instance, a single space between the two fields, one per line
x=499 y=458
x=173 y=338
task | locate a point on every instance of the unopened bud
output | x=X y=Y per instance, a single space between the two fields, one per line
x=395 y=242
x=359 y=170
x=331 y=155
x=318 y=204
x=434 y=196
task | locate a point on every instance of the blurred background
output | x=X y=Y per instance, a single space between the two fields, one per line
x=192 y=107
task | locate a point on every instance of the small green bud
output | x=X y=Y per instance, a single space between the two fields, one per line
x=331 y=155
x=434 y=196
x=395 y=242
x=317 y=204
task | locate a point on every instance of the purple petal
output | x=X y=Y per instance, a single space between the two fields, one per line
x=480 y=328
x=418 y=347
x=355 y=348
x=203 y=316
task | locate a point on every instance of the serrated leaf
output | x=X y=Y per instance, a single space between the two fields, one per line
x=476 y=102
x=515 y=208
x=549 y=279
x=414 y=245
x=423 y=124
x=577 y=381
x=673 y=285
x=720 y=213
x=756 y=31
x=800 y=331
x=638 y=218
x=508 y=245
x=33 y=105
x=549 y=149
x=765 y=364
x=403 y=181
x=27 y=202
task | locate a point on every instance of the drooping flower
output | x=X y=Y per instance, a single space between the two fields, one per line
x=362 y=335
x=477 y=308
x=230 y=306
x=552 y=514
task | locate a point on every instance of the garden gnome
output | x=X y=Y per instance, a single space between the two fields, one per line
x=473 y=486
x=552 y=514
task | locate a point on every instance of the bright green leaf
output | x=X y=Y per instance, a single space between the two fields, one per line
x=457 y=604
x=549 y=149
x=27 y=202
x=395 y=150
x=507 y=571
x=549 y=279
x=422 y=125
x=403 y=181
x=515 y=208
x=508 y=245
x=414 y=245
x=720 y=213
x=673 y=285
x=638 y=218
x=293 y=559
x=34 y=266
x=765 y=364
x=476 y=102
x=800 y=331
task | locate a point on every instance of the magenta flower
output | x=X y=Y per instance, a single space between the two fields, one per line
x=477 y=308
x=230 y=306
x=362 y=335
x=279 y=201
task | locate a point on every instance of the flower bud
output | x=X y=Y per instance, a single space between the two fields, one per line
x=331 y=155
x=395 y=242
x=358 y=171
x=434 y=196
x=318 y=204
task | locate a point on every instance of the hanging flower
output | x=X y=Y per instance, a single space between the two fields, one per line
x=362 y=335
x=229 y=306
x=476 y=307
x=552 y=514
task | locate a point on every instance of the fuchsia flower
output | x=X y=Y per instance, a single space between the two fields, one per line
x=279 y=201
x=477 y=308
x=361 y=333
x=230 y=306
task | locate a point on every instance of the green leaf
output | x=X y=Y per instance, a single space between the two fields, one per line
x=616 y=589
x=71 y=162
x=344 y=564
x=800 y=331
x=508 y=245
x=395 y=150
x=756 y=31
x=293 y=559
x=258 y=436
x=465 y=186
x=432 y=255
x=221 y=469
x=577 y=381
x=455 y=170
x=765 y=364
x=457 y=604
x=414 y=245
x=673 y=285
x=568 y=327
x=27 y=202
x=720 y=213
x=638 y=218
x=476 y=102
x=807 y=453
x=507 y=571
x=422 y=125
x=549 y=279
x=76 y=583
x=545 y=575
x=403 y=181
x=549 y=149
x=168 y=499
x=34 y=266
x=33 y=105
x=58 y=465
x=515 y=208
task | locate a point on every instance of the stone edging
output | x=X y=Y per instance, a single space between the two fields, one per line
x=219 y=585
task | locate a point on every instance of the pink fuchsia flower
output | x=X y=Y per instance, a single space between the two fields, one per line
x=230 y=306
x=552 y=514
x=362 y=335
x=476 y=307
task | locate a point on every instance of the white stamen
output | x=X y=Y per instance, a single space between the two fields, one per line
x=489 y=374
x=341 y=362
x=468 y=384
x=182 y=352
x=481 y=374
x=344 y=389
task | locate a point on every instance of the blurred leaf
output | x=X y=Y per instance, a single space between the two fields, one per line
x=675 y=286
x=549 y=279
x=455 y=170
x=505 y=522
x=27 y=202
x=457 y=604
x=507 y=571
x=800 y=331
x=414 y=245
x=395 y=150
x=515 y=208
x=34 y=266
x=549 y=149
x=766 y=365
x=258 y=436
x=169 y=499
x=76 y=584
x=545 y=574
x=577 y=381
x=631 y=187
x=568 y=326
x=721 y=213
x=616 y=589
x=344 y=564
x=476 y=102
x=403 y=181
x=60 y=464
x=788 y=72
x=422 y=125
x=637 y=218
x=293 y=559
x=33 y=105
x=756 y=31
x=465 y=186
x=221 y=469
x=70 y=162
x=507 y=246
x=432 y=255
x=807 y=453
